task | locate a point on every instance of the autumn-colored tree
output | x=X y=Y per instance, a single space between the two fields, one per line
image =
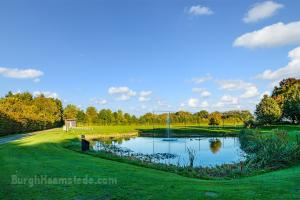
x=280 y=92
x=215 y=118
x=203 y=114
x=22 y=112
x=70 y=112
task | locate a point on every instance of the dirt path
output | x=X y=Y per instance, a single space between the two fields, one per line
x=10 y=138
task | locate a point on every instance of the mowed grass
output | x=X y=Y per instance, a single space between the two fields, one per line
x=180 y=130
x=292 y=130
x=44 y=154
x=177 y=129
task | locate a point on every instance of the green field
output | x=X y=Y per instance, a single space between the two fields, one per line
x=176 y=130
x=44 y=155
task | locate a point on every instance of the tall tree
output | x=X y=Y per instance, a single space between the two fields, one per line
x=291 y=105
x=118 y=117
x=70 y=112
x=203 y=114
x=280 y=92
x=182 y=117
x=91 y=115
x=105 y=116
x=81 y=116
x=268 y=111
x=127 y=118
x=215 y=118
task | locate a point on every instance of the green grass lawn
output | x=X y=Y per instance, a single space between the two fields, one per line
x=293 y=130
x=160 y=130
x=44 y=154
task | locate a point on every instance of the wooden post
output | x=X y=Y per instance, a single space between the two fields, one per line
x=85 y=145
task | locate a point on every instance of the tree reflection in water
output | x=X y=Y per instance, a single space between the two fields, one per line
x=215 y=145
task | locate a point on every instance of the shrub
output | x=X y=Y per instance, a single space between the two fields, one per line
x=269 y=151
x=251 y=123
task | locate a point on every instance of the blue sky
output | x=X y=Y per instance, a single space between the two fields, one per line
x=142 y=55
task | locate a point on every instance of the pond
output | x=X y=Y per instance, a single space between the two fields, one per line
x=208 y=151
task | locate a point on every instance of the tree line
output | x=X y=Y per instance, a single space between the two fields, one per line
x=282 y=106
x=23 y=113
x=107 y=117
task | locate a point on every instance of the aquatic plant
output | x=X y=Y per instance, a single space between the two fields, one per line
x=125 y=152
x=192 y=155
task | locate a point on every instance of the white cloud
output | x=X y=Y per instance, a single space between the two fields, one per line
x=261 y=11
x=46 y=94
x=249 y=89
x=227 y=101
x=21 y=73
x=123 y=93
x=199 y=80
x=99 y=101
x=230 y=84
x=143 y=99
x=205 y=94
x=123 y=97
x=204 y=104
x=270 y=36
x=202 y=92
x=292 y=69
x=200 y=10
x=145 y=93
x=162 y=103
x=119 y=90
x=193 y=103
x=144 y=96
x=230 y=100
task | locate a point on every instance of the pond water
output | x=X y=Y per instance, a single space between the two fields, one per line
x=209 y=151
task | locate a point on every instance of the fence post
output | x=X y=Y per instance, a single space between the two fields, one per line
x=85 y=145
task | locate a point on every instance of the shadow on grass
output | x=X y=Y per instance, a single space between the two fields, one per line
x=46 y=156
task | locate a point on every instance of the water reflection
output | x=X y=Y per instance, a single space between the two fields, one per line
x=209 y=151
x=113 y=140
x=215 y=145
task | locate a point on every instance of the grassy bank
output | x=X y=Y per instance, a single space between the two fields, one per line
x=177 y=130
x=159 y=130
x=44 y=154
